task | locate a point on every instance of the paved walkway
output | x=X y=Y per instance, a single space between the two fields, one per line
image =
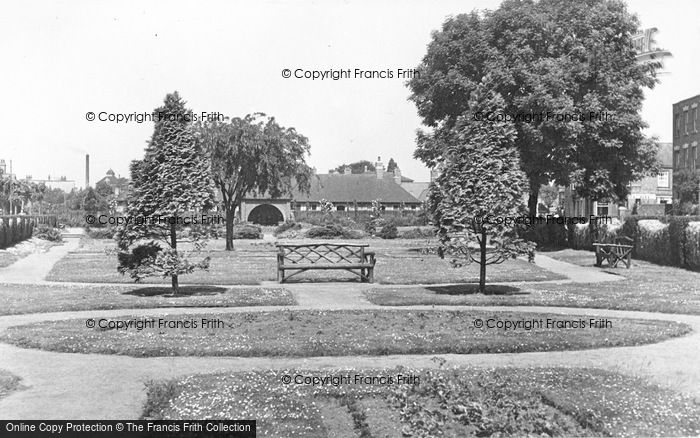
x=35 y=267
x=96 y=386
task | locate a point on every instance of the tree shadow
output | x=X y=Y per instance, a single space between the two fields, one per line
x=185 y=291
x=473 y=288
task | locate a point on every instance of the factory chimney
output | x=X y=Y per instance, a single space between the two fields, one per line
x=87 y=170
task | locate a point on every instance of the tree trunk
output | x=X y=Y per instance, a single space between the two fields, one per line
x=482 y=267
x=173 y=244
x=532 y=199
x=229 y=227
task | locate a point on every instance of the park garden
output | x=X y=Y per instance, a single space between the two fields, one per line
x=469 y=328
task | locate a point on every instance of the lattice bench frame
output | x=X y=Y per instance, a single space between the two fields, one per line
x=613 y=253
x=347 y=256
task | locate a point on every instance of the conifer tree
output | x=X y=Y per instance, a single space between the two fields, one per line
x=170 y=186
x=480 y=185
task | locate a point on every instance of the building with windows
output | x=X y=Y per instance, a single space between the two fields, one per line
x=349 y=193
x=686 y=136
x=656 y=189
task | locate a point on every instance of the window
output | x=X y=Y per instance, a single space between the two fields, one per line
x=695 y=120
x=678 y=125
x=341 y=208
x=676 y=164
x=662 y=179
x=685 y=157
x=691 y=164
x=687 y=121
x=602 y=209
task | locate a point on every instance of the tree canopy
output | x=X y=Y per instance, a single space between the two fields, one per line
x=549 y=56
x=357 y=167
x=254 y=154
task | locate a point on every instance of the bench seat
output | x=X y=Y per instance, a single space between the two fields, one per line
x=325 y=256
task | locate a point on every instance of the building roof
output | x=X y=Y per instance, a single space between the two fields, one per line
x=340 y=188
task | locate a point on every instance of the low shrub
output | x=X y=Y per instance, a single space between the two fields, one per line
x=417 y=233
x=46 y=232
x=247 y=231
x=388 y=231
x=289 y=225
x=333 y=230
x=101 y=233
x=14 y=229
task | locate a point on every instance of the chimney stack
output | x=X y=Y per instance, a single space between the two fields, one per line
x=397 y=175
x=87 y=170
x=380 y=168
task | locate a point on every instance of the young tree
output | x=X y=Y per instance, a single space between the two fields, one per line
x=549 y=56
x=169 y=184
x=391 y=166
x=254 y=154
x=479 y=191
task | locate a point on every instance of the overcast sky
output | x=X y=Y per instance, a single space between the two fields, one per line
x=61 y=60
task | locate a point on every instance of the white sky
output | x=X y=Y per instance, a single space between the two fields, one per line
x=62 y=59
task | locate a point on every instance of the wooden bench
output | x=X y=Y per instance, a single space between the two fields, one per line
x=301 y=258
x=614 y=252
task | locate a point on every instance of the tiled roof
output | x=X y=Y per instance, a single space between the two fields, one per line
x=360 y=187
x=339 y=188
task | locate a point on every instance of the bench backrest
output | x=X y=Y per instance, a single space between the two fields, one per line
x=322 y=253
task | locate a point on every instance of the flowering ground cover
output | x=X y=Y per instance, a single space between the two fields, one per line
x=398 y=262
x=16 y=299
x=645 y=287
x=303 y=333
x=451 y=403
x=8 y=383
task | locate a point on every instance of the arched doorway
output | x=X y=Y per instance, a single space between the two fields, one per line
x=265 y=214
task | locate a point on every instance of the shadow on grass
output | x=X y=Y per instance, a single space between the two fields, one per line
x=185 y=291
x=471 y=289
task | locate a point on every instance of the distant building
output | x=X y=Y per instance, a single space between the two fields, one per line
x=119 y=187
x=63 y=183
x=686 y=135
x=657 y=189
x=347 y=191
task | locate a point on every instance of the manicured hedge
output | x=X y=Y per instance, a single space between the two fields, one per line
x=14 y=229
x=666 y=240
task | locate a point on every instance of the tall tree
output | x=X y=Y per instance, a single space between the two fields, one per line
x=547 y=56
x=169 y=184
x=357 y=167
x=254 y=154
x=391 y=166
x=480 y=190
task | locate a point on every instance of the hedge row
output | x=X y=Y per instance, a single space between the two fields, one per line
x=14 y=229
x=50 y=220
x=665 y=240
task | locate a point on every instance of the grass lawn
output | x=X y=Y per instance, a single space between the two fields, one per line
x=8 y=383
x=645 y=287
x=302 y=333
x=450 y=403
x=16 y=299
x=398 y=262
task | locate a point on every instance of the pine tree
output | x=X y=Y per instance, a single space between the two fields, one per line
x=168 y=186
x=480 y=177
